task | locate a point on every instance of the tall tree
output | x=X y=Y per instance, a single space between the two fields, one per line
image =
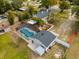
x=32 y=10
x=11 y=17
x=23 y=16
x=76 y=9
x=4 y=6
x=45 y=3
x=76 y=2
x=17 y=4
x=64 y=5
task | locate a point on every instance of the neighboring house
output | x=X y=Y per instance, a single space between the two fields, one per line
x=3 y=24
x=43 y=14
x=41 y=41
x=4 y=30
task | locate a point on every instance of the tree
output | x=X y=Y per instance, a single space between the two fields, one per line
x=11 y=17
x=57 y=18
x=4 y=6
x=39 y=21
x=64 y=5
x=53 y=19
x=54 y=2
x=23 y=16
x=45 y=3
x=75 y=9
x=8 y=6
x=26 y=15
x=16 y=4
x=76 y=2
x=32 y=10
x=75 y=26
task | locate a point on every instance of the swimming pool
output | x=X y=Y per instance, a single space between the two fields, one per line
x=26 y=32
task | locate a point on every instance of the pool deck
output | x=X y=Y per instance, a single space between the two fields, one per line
x=32 y=27
x=32 y=46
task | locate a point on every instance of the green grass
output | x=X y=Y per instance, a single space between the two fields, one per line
x=9 y=50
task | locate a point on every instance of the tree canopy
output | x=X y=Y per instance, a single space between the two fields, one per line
x=4 y=6
x=11 y=17
x=64 y=5
x=32 y=10
x=38 y=21
x=76 y=2
x=16 y=4
x=23 y=16
x=45 y=3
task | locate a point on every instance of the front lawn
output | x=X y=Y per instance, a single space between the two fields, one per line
x=10 y=50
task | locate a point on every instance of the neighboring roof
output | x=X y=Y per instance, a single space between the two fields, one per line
x=23 y=8
x=40 y=50
x=2 y=17
x=42 y=14
x=45 y=37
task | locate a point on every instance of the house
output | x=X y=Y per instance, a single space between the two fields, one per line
x=41 y=41
x=44 y=40
x=4 y=24
x=43 y=14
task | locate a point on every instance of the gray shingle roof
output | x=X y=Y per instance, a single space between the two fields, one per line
x=45 y=37
x=42 y=14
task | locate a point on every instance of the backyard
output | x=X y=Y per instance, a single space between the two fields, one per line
x=10 y=50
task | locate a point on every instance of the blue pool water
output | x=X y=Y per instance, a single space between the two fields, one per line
x=26 y=32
